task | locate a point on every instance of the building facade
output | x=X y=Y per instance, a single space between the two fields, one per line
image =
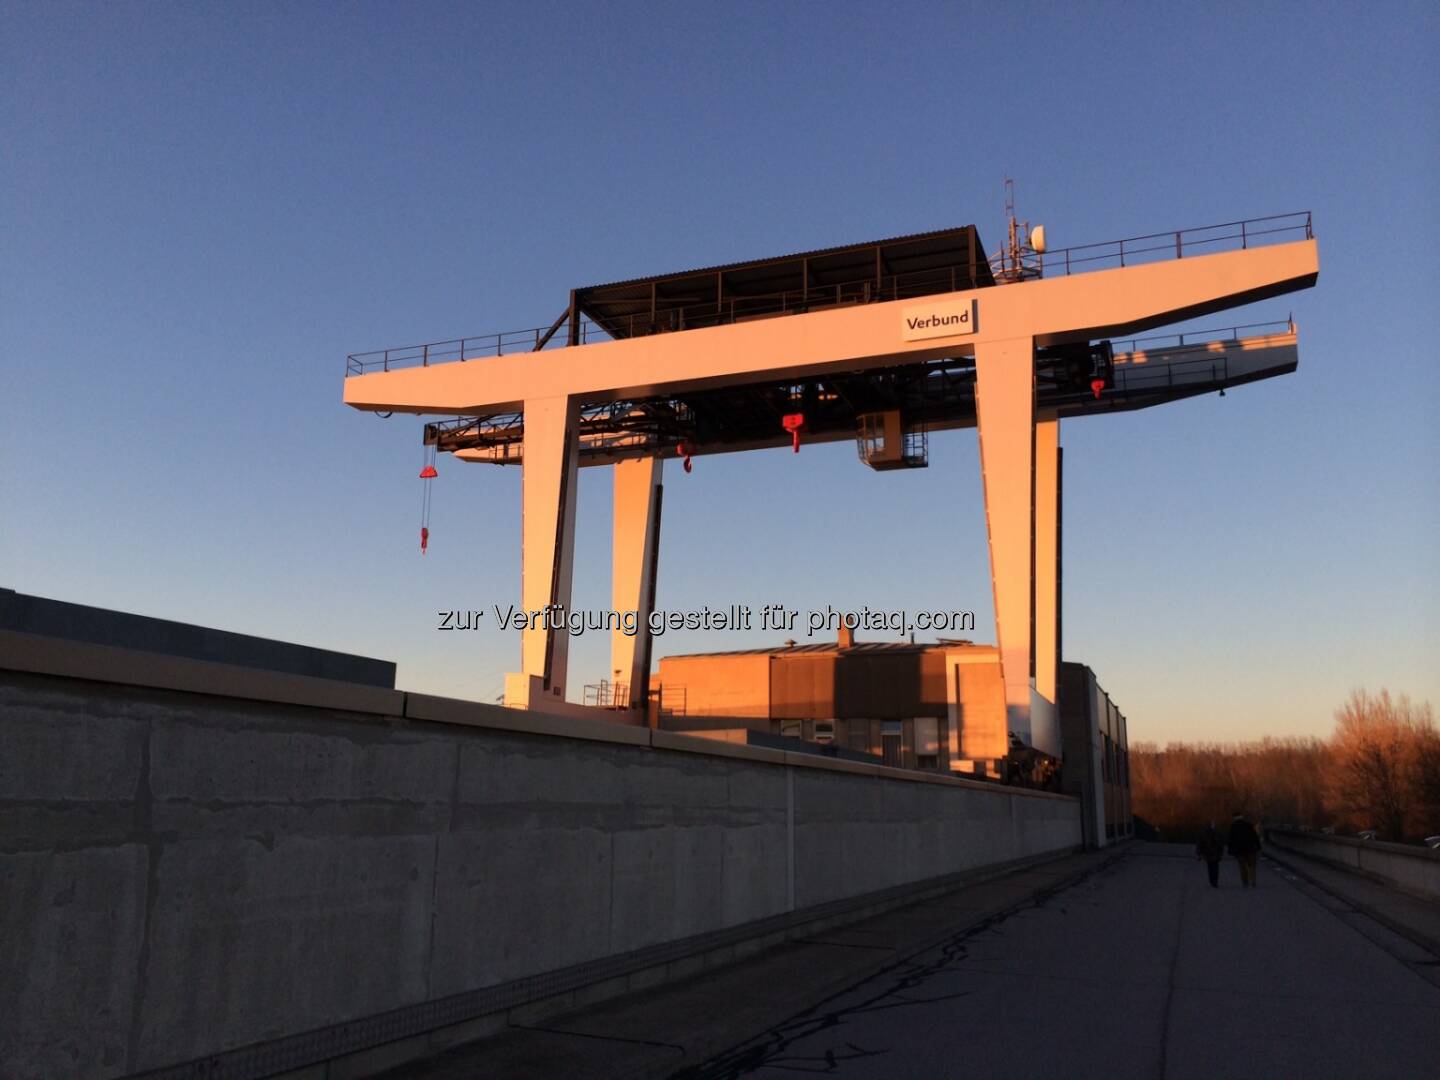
x=1097 y=756
x=934 y=706
x=916 y=706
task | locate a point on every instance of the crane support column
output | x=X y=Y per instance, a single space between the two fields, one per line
x=632 y=575
x=548 y=479
x=1044 y=719
x=1005 y=407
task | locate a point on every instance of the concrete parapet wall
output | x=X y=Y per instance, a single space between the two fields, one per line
x=35 y=615
x=1414 y=869
x=185 y=873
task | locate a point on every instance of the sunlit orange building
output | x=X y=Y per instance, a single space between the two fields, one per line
x=918 y=706
x=937 y=705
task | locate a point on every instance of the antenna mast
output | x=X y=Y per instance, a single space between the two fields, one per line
x=1020 y=244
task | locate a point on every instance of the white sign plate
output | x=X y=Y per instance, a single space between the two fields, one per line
x=945 y=319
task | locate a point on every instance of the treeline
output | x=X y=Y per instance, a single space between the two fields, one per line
x=1380 y=769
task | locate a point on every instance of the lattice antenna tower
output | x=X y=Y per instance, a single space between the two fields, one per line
x=1020 y=259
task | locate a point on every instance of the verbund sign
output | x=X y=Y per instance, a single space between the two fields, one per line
x=945 y=319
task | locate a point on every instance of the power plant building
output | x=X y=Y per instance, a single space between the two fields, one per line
x=938 y=706
x=915 y=706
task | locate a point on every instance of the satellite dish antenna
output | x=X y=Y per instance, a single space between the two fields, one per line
x=1037 y=239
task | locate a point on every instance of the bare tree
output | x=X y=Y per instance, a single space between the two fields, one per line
x=1378 y=744
x=1380 y=769
x=1424 y=817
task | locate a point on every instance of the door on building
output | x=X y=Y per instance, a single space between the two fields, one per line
x=892 y=743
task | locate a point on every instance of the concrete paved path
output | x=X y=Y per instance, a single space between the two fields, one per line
x=1139 y=969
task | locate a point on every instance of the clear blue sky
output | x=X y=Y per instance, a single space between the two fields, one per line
x=205 y=207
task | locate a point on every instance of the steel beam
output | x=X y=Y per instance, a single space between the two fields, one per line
x=1005 y=401
x=633 y=567
x=548 y=481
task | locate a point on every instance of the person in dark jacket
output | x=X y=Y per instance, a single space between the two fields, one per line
x=1244 y=844
x=1211 y=848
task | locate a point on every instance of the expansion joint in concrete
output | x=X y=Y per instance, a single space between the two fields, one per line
x=143 y=821
x=1163 y=1059
x=603 y=1038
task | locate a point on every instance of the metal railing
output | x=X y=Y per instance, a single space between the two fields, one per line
x=1161 y=247
x=642 y=324
x=607 y=695
x=735 y=309
x=1132 y=251
x=1203 y=370
x=1202 y=337
x=669 y=700
x=477 y=347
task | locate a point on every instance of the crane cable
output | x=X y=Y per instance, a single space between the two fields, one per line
x=427 y=473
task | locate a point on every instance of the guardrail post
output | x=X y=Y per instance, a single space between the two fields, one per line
x=1244 y=241
x=1179 y=251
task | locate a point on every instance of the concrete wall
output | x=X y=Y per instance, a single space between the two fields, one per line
x=186 y=873
x=1414 y=869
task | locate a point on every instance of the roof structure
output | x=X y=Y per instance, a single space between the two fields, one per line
x=899 y=268
x=825 y=648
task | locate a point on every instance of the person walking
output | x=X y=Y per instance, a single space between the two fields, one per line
x=1211 y=848
x=1244 y=844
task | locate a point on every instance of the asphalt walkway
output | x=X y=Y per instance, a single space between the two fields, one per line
x=1104 y=966
x=1368 y=900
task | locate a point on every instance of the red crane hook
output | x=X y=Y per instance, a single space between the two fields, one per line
x=427 y=474
x=794 y=423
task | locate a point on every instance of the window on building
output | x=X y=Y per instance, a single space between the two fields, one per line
x=792 y=728
x=892 y=734
x=825 y=731
x=927 y=742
